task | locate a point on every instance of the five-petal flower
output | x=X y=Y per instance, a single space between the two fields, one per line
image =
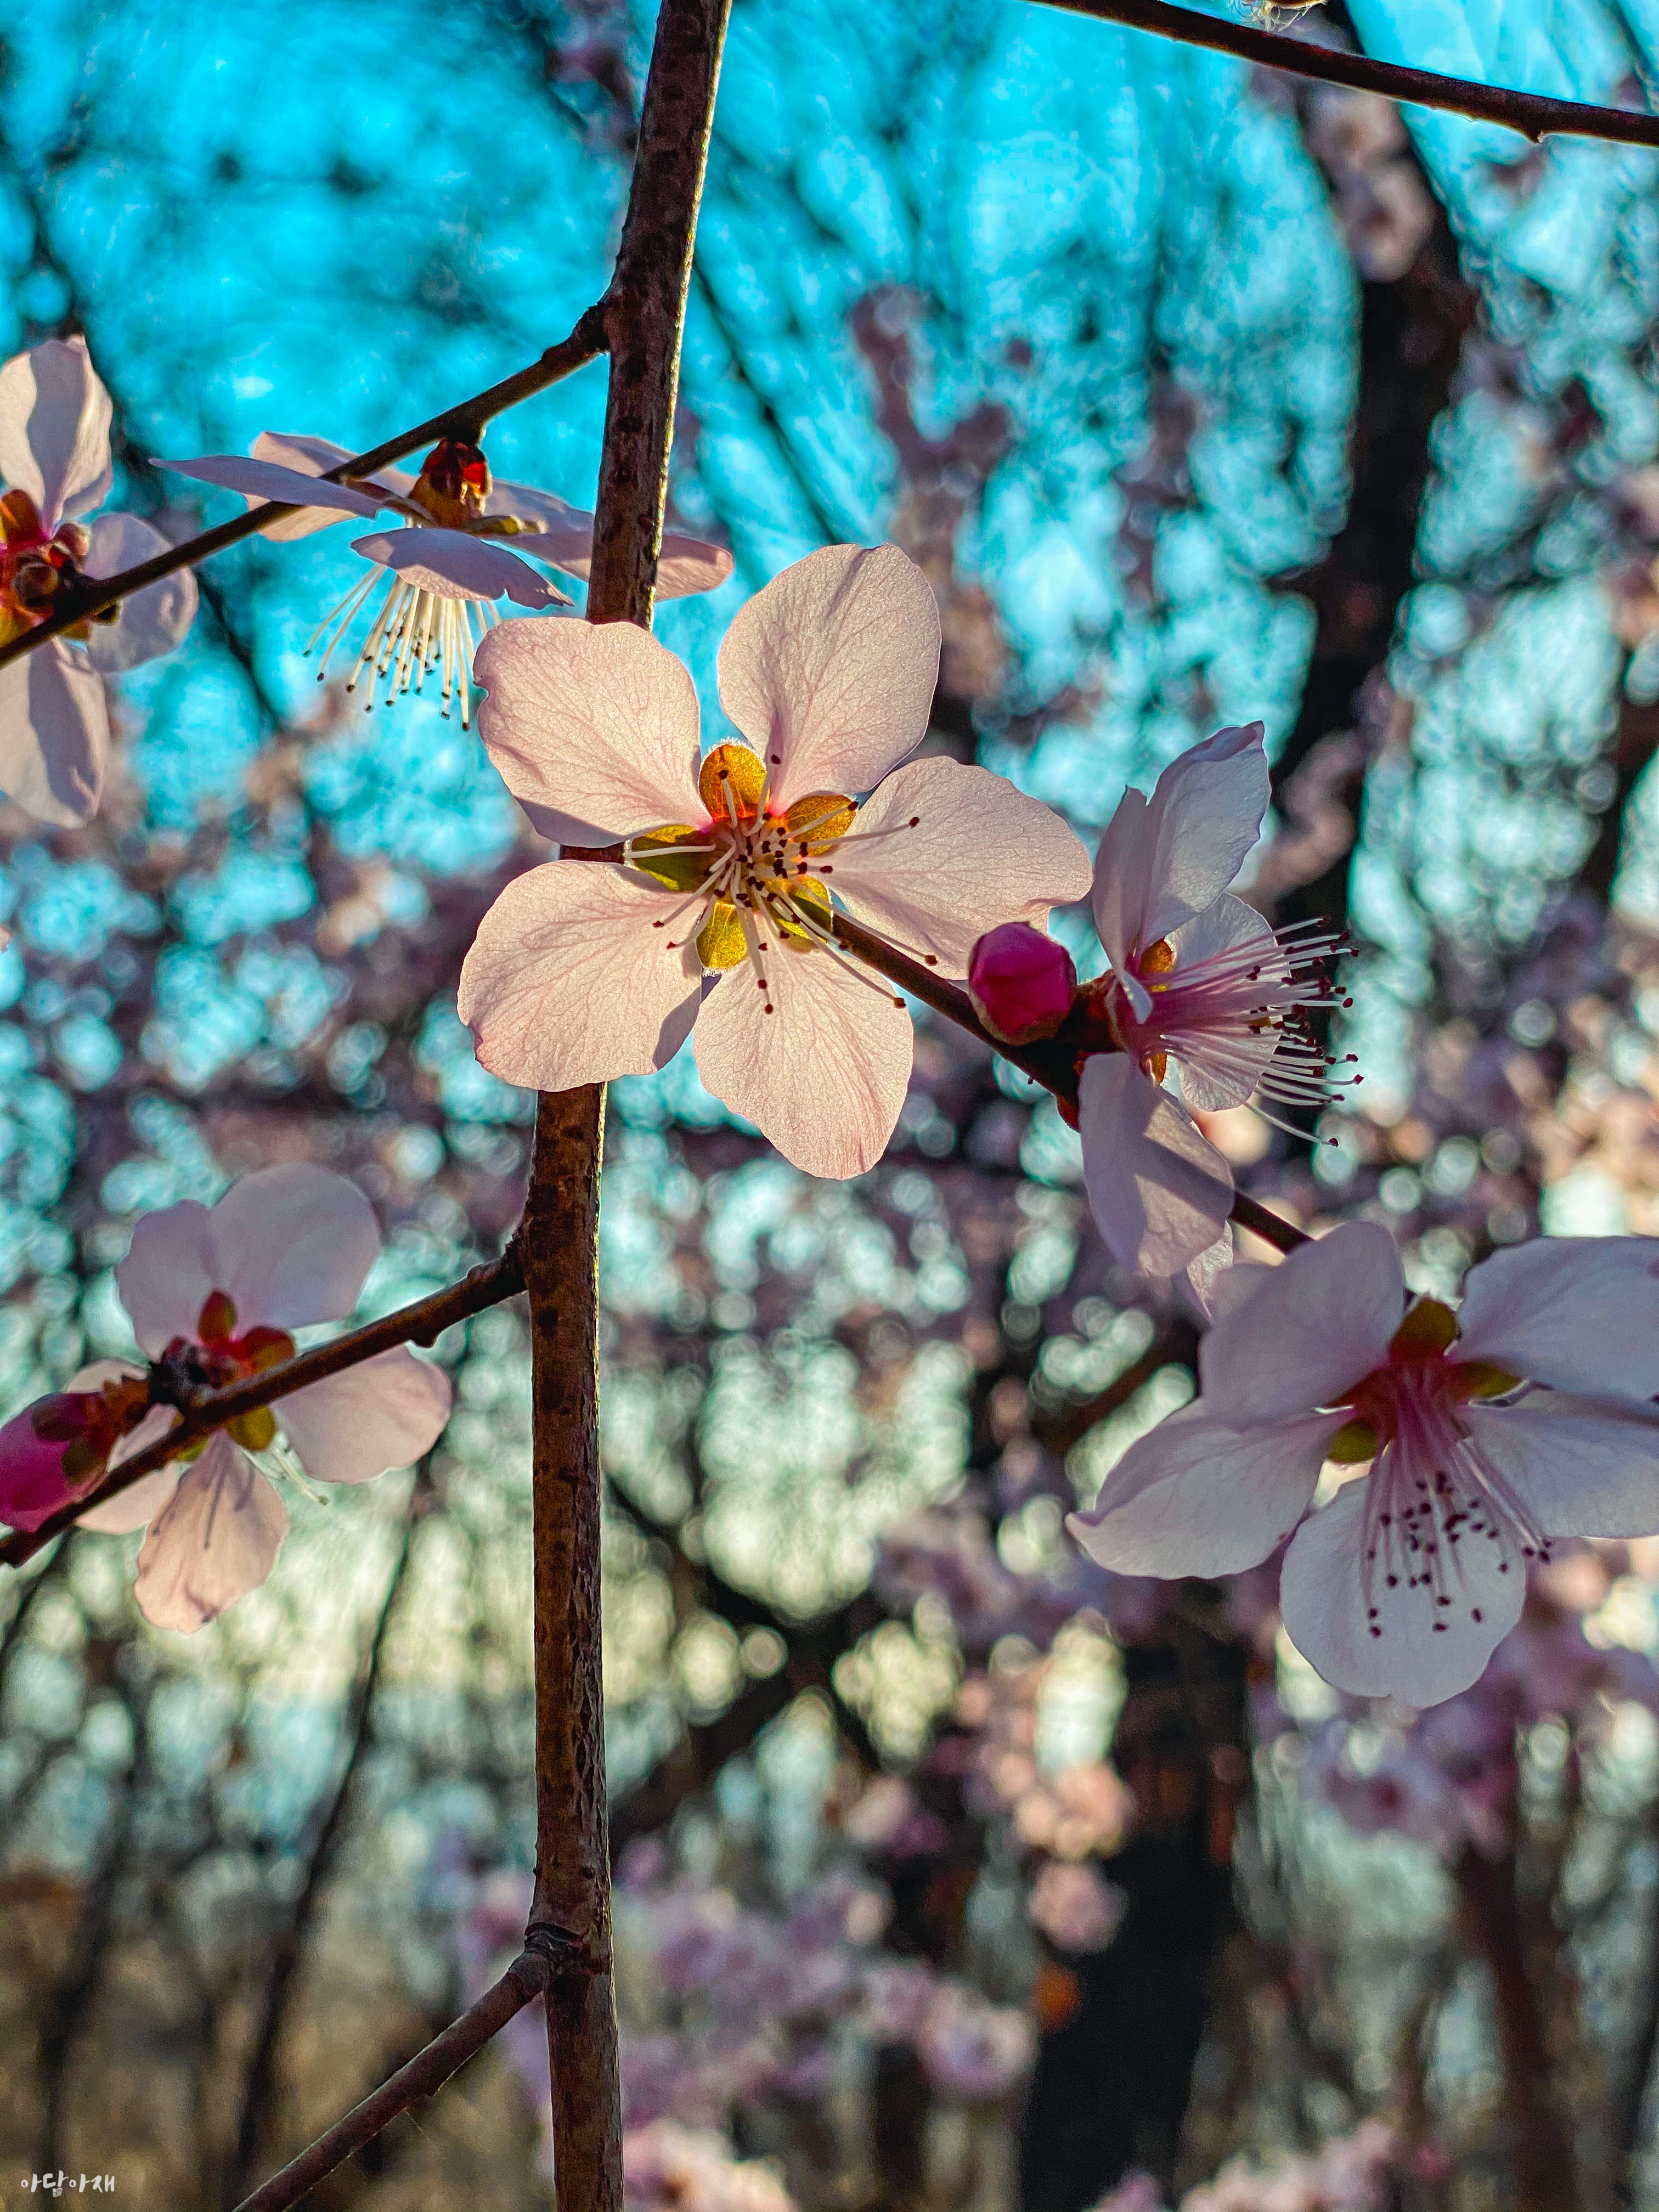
x=1523 y=1417
x=55 y=462
x=1198 y=981
x=733 y=868
x=451 y=561
x=216 y=1292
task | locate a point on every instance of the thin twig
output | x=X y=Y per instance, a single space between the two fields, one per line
x=585 y=344
x=424 y=2075
x=204 y=1410
x=1534 y=114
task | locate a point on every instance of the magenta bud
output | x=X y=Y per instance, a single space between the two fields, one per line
x=1021 y=982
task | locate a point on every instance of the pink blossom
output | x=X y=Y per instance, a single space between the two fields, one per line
x=719 y=909
x=215 y=1292
x=669 y=2169
x=55 y=460
x=1199 y=983
x=447 y=564
x=1075 y=1907
x=1408 y=1580
x=1021 y=982
x=971 y=2050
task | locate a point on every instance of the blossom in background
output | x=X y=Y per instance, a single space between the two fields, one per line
x=55 y=462
x=215 y=1292
x=669 y=2169
x=1075 y=1907
x=450 y=561
x=733 y=869
x=1199 y=983
x=1521 y=1418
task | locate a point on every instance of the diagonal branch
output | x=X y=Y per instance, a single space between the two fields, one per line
x=424 y=2075
x=466 y=419
x=201 y=1411
x=1534 y=114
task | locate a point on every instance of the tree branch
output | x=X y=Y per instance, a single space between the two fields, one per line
x=465 y=420
x=424 y=2075
x=202 y=1411
x=1532 y=114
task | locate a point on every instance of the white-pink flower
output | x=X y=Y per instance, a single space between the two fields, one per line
x=731 y=871
x=217 y=1290
x=1199 y=983
x=449 y=563
x=55 y=462
x=1521 y=1418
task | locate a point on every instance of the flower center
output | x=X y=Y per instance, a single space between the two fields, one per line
x=36 y=569
x=217 y=1357
x=1237 y=1018
x=1432 y=1486
x=753 y=878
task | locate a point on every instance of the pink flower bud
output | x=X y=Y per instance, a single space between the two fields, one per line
x=1021 y=982
x=33 y=1482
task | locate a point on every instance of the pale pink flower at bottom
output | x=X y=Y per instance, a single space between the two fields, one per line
x=217 y=1290
x=1521 y=1418
x=718 y=906
x=669 y=2169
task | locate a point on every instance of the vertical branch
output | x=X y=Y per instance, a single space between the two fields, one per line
x=570 y=1917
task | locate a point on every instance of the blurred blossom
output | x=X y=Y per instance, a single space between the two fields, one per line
x=972 y=2049
x=1075 y=1907
x=669 y=2169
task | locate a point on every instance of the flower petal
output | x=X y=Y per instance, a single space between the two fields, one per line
x=134 y=1507
x=1581 y=1313
x=314 y=457
x=151 y=622
x=685 y=565
x=596 y=723
x=1204 y=1276
x=167 y=1274
x=1158 y=1189
x=1582 y=1466
x=54 y=733
x=319 y=504
x=1196 y=1498
x=383 y=1414
x=830 y=671
x=292 y=1244
x=217 y=1539
x=1226 y=925
x=1424 y=1653
x=940 y=853
x=824 y=1075
x=570 y=979
x=1162 y=860
x=456 y=565
x=54 y=430
x=1308 y=1329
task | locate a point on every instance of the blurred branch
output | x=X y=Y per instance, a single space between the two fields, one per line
x=1535 y=115
x=424 y=2075
x=465 y=420
x=202 y=1411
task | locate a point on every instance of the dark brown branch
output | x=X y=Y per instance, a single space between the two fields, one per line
x=202 y=1411
x=585 y=344
x=1532 y=114
x=424 y=2075
x=645 y=315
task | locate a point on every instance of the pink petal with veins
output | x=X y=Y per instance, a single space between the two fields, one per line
x=830 y=671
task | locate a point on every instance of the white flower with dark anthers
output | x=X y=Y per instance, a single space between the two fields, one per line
x=732 y=869
x=55 y=462
x=215 y=1292
x=1201 y=983
x=1491 y=1432
x=450 y=562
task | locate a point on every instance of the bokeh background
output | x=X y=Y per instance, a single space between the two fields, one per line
x=952 y=1871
